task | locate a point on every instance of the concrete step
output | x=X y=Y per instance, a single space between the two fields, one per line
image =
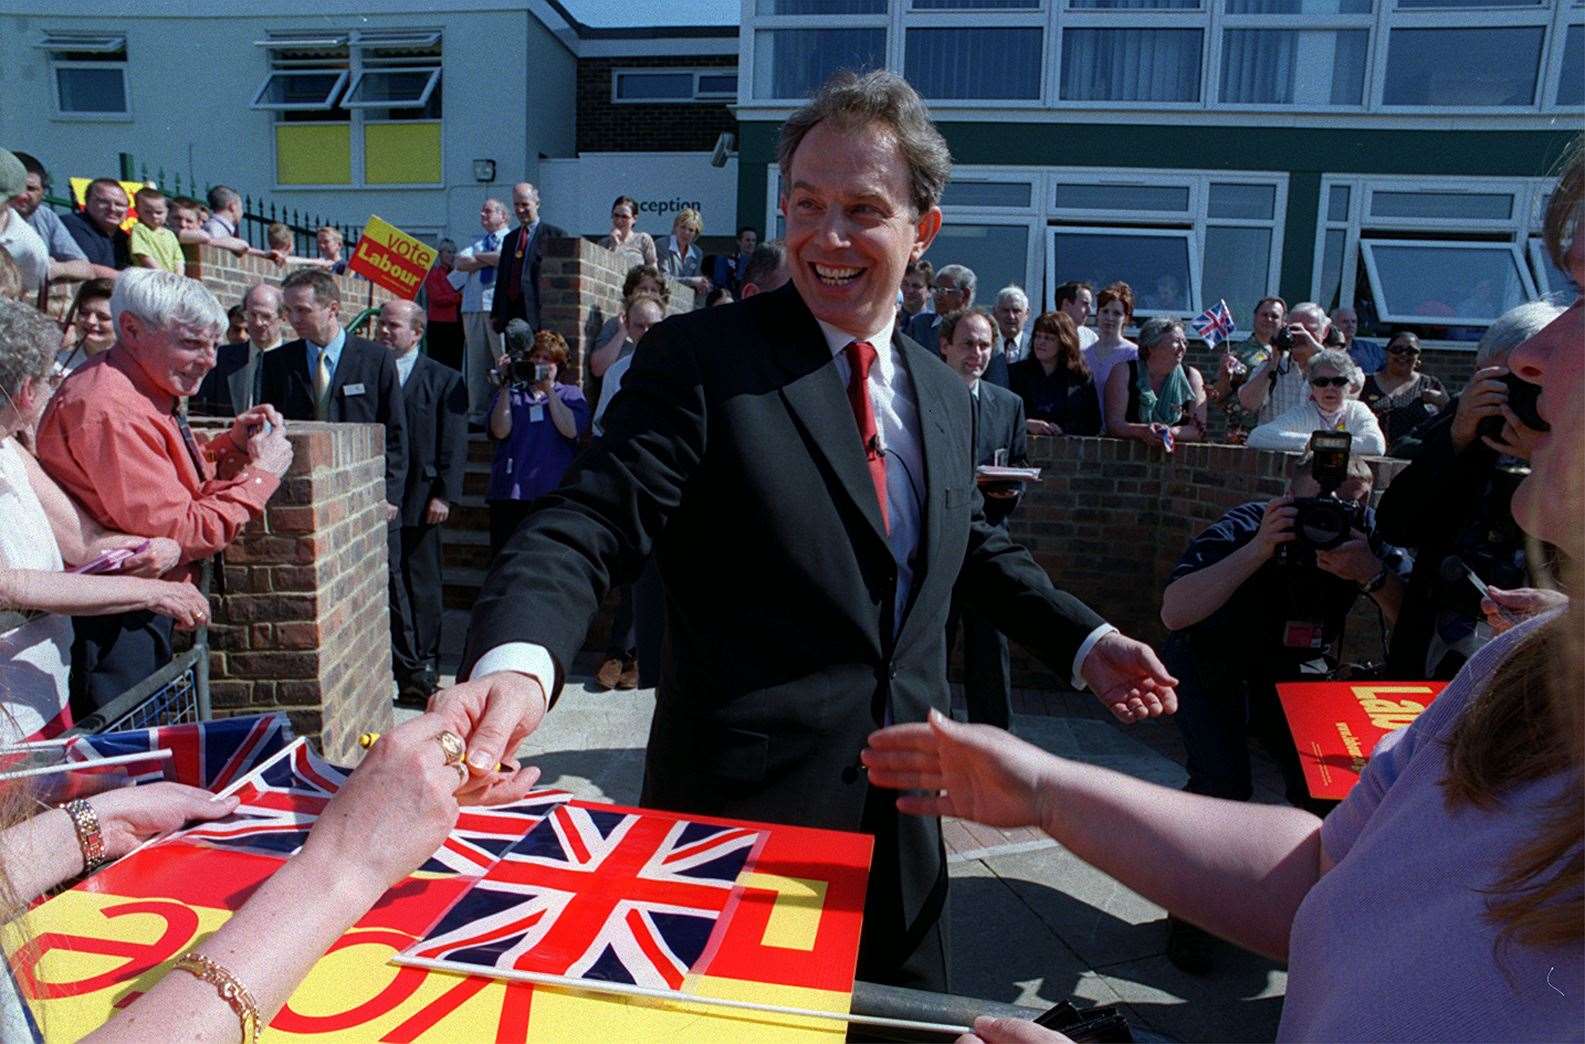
x=461 y=588
x=465 y=549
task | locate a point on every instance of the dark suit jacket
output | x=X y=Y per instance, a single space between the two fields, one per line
x=999 y=424
x=925 y=330
x=287 y=388
x=732 y=454
x=500 y=311
x=225 y=387
x=437 y=437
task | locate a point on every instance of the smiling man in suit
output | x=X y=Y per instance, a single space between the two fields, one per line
x=517 y=272
x=969 y=343
x=796 y=444
x=437 y=446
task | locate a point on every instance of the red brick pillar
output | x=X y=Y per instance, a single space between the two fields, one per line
x=304 y=626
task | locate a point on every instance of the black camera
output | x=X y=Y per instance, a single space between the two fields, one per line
x=1326 y=520
x=1282 y=340
x=1522 y=397
x=519 y=369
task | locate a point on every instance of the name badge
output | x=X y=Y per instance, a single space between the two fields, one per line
x=352 y=389
x=536 y=414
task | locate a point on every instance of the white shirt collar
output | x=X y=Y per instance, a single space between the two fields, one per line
x=838 y=340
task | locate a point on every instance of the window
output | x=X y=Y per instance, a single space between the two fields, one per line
x=307 y=74
x=998 y=255
x=966 y=63
x=1161 y=266
x=1458 y=68
x=89 y=72
x=395 y=88
x=976 y=5
x=1444 y=283
x=821 y=7
x=793 y=63
x=1551 y=281
x=1131 y=65
x=648 y=86
x=969 y=192
x=1294 y=67
x=1571 y=80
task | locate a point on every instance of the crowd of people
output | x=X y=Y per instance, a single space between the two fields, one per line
x=832 y=413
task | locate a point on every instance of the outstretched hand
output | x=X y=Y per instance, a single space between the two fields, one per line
x=975 y=772
x=988 y=1030
x=1129 y=679
x=129 y=816
x=493 y=714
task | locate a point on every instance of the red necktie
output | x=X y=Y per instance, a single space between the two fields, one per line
x=861 y=356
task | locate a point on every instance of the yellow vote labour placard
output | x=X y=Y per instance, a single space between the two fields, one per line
x=389 y=257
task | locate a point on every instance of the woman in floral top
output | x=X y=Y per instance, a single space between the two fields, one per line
x=1399 y=394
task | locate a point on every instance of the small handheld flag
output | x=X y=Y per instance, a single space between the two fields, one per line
x=1215 y=324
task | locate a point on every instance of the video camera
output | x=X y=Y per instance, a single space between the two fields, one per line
x=1326 y=520
x=519 y=369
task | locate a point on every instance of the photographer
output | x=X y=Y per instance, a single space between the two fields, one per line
x=1452 y=505
x=536 y=423
x=1281 y=381
x=1254 y=601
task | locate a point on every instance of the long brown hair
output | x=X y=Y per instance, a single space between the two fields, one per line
x=1059 y=324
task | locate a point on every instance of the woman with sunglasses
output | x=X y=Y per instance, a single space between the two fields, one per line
x=1335 y=380
x=1400 y=394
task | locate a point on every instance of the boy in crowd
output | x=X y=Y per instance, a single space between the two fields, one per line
x=154 y=245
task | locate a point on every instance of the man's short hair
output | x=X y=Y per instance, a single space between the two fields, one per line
x=951 y=321
x=33 y=166
x=495 y=204
x=1070 y=292
x=767 y=260
x=221 y=196
x=1512 y=328
x=852 y=102
x=645 y=297
x=112 y=182
x=921 y=268
x=961 y=275
x=163 y=299
x=29 y=340
x=1304 y=468
x=319 y=281
x=1268 y=299
x=416 y=318
x=148 y=192
x=1310 y=308
x=1013 y=293
x=335 y=233
x=280 y=301
x=637 y=274
x=747 y=228
x=184 y=203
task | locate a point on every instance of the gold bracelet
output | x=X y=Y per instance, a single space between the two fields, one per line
x=85 y=821
x=231 y=991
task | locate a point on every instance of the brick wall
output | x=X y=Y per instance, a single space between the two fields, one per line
x=304 y=625
x=228 y=277
x=604 y=126
x=580 y=287
x=1111 y=518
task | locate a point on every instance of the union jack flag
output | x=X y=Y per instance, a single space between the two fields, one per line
x=283 y=802
x=208 y=754
x=1214 y=324
x=610 y=895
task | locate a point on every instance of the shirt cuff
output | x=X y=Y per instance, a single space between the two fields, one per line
x=1084 y=653
x=524 y=658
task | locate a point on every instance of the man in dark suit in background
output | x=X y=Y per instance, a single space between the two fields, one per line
x=968 y=344
x=517 y=273
x=234 y=386
x=797 y=444
x=951 y=289
x=437 y=452
x=328 y=374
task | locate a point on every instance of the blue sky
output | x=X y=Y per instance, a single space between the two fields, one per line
x=655 y=12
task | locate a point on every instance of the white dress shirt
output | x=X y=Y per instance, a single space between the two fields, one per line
x=896 y=407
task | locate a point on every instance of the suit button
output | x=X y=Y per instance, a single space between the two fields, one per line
x=892 y=673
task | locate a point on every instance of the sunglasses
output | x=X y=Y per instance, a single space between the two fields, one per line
x=1323 y=382
x=1403 y=351
x=942 y=290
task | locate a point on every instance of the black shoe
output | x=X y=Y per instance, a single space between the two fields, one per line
x=1189 y=948
x=415 y=690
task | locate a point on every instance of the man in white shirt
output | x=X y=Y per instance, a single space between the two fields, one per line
x=1076 y=300
x=474 y=275
x=1282 y=381
x=803 y=478
x=16 y=235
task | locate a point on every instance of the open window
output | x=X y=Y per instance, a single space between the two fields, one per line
x=1445 y=283
x=89 y=73
x=392 y=88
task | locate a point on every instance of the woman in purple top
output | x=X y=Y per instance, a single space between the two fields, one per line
x=536 y=424
x=1444 y=899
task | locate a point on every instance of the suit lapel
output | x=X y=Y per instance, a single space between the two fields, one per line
x=239 y=381
x=345 y=367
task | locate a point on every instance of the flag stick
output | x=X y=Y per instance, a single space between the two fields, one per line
x=44 y=744
x=630 y=990
x=73 y=766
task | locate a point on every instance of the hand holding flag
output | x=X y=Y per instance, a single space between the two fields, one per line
x=1215 y=324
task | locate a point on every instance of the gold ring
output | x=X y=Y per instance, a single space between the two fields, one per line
x=456 y=751
x=462 y=772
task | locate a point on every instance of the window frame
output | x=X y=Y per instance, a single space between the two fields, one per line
x=423 y=98
x=61 y=41
x=329 y=103
x=1190 y=236
x=748 y=41
x=1394 y=18
x=991 y=19
x=1293 y=23
x=697 y=97
x=1367 y=252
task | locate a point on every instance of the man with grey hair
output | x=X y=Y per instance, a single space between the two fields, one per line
x=952 y=289
x=1011 y=312
x=1282 y=381
x=766 y=270
x=798 y=440
x=235 y=385
x=116 y=438
x=1452 y=502
x=517 y=295
x=474 y=275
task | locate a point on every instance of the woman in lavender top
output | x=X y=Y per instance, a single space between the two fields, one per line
x=1444 y=899
x=536 y=423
